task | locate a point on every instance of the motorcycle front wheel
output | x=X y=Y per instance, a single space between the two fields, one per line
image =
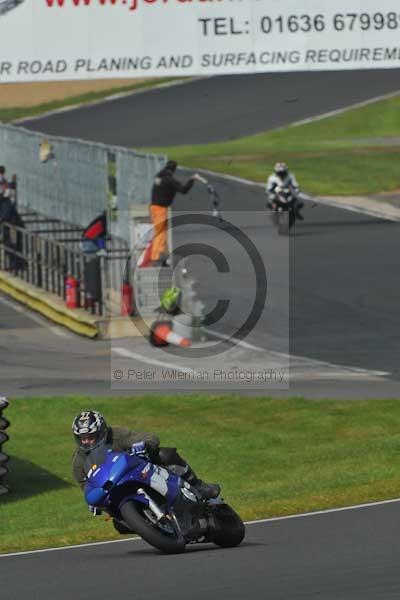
x=284 y=223
x=163 y=536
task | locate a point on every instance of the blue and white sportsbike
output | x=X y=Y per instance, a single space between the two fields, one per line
x=156 y=503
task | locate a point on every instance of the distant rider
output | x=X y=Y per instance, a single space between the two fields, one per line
x=90 y=431
x=283 y=178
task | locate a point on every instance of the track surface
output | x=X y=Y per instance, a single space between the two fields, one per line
x=342 y=309
x=218 y=108
x=336 y=289
x=349 y=555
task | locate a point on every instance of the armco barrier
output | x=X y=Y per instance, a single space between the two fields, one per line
x=4 y=424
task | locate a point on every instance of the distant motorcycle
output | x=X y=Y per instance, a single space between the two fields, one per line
x=157 y=504
x=283 y=210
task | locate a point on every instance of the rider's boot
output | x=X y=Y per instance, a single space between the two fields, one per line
x=169 y=457
x=206 y=490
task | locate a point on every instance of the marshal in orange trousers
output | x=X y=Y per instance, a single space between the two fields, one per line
x=159 y=219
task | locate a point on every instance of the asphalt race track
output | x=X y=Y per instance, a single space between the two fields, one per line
x=347 y=555
x=341 y=306
x=218 y=108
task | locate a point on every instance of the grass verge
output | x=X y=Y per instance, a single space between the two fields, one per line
x=273 y=457
x=24 y=112
x=354 y=153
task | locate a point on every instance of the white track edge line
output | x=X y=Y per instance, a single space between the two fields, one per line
x=73 y=547
x=255 y=522
x=377 y=214
x=370 y=212
x=344 y=109
x=282 y=355
x=27 y=312
x=323 y=512
x=123 y=352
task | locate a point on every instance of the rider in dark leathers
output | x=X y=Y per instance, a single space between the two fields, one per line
x=90 y=430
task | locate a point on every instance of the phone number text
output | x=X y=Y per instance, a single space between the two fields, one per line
x=339 y=22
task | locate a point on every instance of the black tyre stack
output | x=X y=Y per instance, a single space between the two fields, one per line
x=4 y=424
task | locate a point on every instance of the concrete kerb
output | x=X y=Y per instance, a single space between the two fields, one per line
x=48 y=305
x=363 y=205
x=77 y=320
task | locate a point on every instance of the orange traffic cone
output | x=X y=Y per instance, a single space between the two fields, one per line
x=162 y=335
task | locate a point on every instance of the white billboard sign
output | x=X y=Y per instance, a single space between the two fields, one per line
x=81 y=39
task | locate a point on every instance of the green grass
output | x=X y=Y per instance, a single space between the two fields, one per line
x=24 y=112
x=339 y=155
x=273 y=457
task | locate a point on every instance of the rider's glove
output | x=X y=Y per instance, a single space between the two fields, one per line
x=96 y=512
x=139 y=448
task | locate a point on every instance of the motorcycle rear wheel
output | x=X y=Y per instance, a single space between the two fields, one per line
x=232 y=529
x=153 y=535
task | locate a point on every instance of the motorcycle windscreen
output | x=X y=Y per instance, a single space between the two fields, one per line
x=111 y=468
x=96 y=457
x=97 y=467
x=122 y=463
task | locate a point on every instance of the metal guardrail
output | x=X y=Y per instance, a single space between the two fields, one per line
x=46 y=263
x=46 y=252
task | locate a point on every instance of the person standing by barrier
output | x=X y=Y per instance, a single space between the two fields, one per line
x=4 y=188
x=164 y=190
x=11 y=232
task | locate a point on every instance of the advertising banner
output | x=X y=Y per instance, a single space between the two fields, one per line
x=81 y=39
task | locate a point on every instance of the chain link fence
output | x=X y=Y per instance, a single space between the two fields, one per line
x=63 y=184
x=69 y=179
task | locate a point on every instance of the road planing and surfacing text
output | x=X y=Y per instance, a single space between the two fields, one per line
x=280 y=59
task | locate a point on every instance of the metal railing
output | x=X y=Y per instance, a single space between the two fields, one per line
x=46 y=264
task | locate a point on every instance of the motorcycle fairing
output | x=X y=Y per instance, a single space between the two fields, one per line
x=120 y=468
